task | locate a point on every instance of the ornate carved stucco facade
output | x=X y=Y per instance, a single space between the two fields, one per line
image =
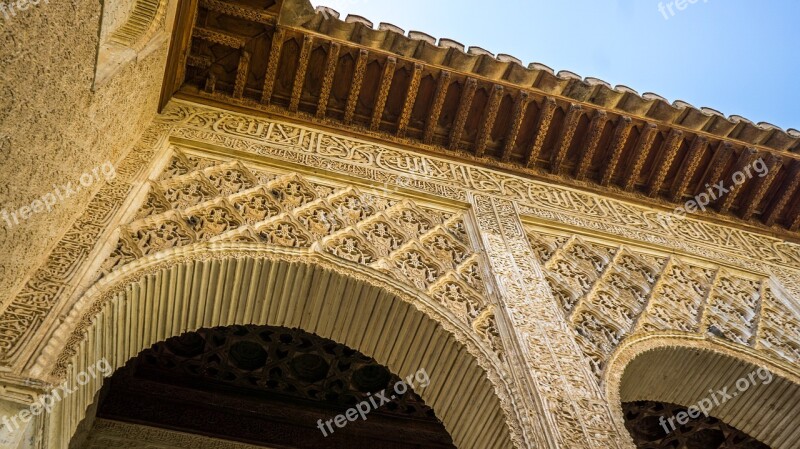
x=551 y=291
x=537 y=308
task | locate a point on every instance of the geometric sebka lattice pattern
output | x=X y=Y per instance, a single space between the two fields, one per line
x=199 y=199
x=265 y=385
x=610 y=292
x=281 y=361
x=643 y=421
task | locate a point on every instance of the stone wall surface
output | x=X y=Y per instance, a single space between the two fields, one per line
x=54 y=127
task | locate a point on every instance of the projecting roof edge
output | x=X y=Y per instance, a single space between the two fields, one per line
x=506 y=68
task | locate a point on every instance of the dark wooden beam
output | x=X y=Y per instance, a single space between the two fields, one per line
x=331 y=61
x=218 y=37
x=718 y=163
x=242 y=12
x=618 y=141
x=179 y=48
x=669 y=150
x=355 y=87
x=595 y=132
x=517 y=115
x=300 y=73
x=200 y=62
x=488 y=119
x=383 y=92
x=211 y=84
x=464 y=105
x=688 y=168
x=410 y=100
x=753 y=198
x=794 y=223
x=565 y=139
x=442 y=85
x=746 y=158
x=546 y=113
x=756 y=195
x=272 y=66
x=786 y=194
x=543 y=122
x=241 y=74
x=640 y=153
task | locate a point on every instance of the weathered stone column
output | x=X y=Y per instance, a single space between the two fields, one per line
x=543 y=351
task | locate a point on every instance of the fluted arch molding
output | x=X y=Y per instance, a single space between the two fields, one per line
x=222 y=284
x=683 y=368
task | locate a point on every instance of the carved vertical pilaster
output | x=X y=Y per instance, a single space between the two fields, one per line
x=543 y=352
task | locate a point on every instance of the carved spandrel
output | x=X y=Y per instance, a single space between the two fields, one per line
x=641 y=291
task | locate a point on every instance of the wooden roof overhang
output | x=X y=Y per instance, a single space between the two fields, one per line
x=285 y=58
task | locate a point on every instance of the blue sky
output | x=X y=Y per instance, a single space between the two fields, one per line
x=738 y=57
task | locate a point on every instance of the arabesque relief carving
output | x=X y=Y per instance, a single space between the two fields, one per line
x=702 y=278
x=445 y=178
x=53 y=283
x=201 y=199
x=608 y=292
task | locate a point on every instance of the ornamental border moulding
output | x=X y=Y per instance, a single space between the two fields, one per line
x=255 y=135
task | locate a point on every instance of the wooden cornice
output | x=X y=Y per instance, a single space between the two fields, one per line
x=410 y=90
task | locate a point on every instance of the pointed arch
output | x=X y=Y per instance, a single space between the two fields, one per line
x=221 y=284
x=682 y=368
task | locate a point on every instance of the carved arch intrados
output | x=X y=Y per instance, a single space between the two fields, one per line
x=222 y=284
x=681 y=368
